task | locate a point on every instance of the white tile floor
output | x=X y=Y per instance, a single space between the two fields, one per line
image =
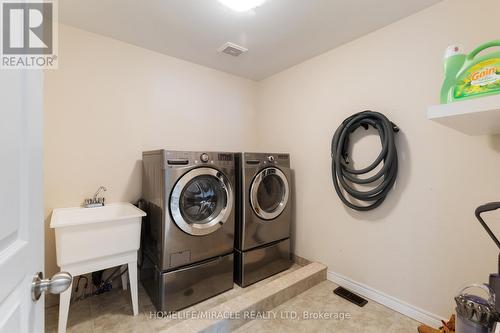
x=112 y=312
x=320 y=299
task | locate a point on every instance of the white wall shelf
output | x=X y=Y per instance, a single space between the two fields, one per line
x=477 y=116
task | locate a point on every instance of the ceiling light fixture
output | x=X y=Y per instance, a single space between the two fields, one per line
x=242 y=5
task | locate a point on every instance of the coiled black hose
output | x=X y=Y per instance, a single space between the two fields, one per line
x=345 y=177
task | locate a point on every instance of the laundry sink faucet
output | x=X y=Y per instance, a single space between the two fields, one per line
x=95 y=201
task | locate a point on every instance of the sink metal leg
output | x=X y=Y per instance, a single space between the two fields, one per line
x=132 y=274
x=64 y=300
x=124 y=278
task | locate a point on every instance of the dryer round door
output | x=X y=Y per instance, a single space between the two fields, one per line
x=201 y=201
x=269 y=193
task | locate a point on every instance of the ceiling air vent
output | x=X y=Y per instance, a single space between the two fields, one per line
x=232 y=49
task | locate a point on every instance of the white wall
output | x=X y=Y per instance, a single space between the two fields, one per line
x=423 y=243
x=109 y=101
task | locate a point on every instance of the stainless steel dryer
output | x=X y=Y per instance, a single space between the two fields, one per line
x=187 y=245
x=262 y=246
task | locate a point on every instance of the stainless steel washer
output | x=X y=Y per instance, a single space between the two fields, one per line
x=188 y=238
x=262 y=246
x=201 y=201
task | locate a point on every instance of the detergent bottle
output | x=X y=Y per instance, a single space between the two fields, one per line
x=469 y=76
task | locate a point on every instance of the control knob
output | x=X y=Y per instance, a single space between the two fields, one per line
x=204 y=157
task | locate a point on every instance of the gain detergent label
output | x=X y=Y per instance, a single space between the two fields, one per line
x=481 y=78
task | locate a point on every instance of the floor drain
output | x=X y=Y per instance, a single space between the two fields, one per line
x=351 y=297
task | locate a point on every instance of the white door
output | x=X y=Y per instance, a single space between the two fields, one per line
x=21 y=199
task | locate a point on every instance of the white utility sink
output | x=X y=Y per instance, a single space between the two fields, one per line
x=89 y=233
x=77 y=215
x=92 y=239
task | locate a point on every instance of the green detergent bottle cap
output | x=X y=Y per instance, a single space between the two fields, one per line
x=453 y=50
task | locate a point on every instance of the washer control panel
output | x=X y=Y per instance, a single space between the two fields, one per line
x=182 y=158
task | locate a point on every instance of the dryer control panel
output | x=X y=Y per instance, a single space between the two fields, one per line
x=265 y=159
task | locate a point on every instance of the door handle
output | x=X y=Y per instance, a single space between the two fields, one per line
x=59 y=283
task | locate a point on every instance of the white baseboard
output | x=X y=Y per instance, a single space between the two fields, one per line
x=395 y=304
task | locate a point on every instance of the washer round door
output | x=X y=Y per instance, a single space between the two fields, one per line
x=201 y=201
x=269 y=193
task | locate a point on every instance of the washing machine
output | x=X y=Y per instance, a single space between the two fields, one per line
x=187 y=242
x=262 y=244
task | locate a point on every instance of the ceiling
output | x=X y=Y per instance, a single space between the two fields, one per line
x=278 y=35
